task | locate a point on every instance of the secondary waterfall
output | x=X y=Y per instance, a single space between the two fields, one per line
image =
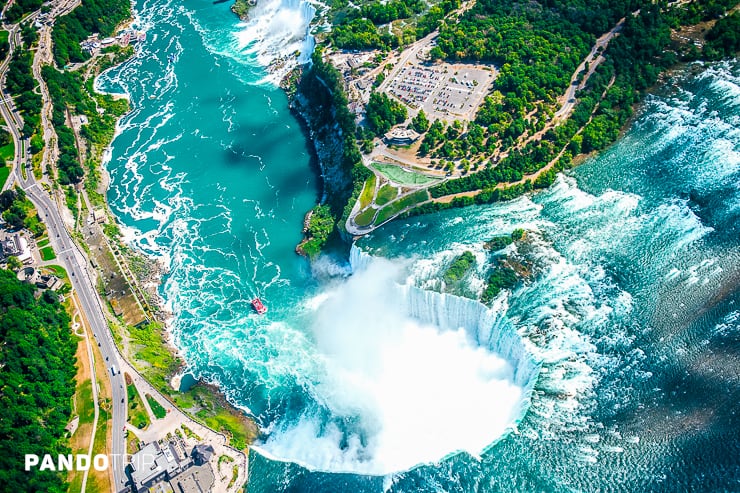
x=277 y=31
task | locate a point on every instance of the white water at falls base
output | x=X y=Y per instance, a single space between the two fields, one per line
x=411 y=377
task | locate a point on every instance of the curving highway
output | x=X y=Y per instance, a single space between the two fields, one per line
x=72 y=259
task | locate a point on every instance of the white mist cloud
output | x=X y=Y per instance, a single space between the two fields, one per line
x=417 y=393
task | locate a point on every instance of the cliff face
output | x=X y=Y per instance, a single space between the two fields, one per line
x=316 y=104
x=326 y=138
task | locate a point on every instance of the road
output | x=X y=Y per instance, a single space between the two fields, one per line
x=568 y=100
x=72 y=259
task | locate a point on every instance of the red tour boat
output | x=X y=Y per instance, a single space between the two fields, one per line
x=258 y=306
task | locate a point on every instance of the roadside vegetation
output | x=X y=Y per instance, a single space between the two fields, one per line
x=70 y=92
x=20 y=83
x=19 y=212
x=38 y=363
x=157 y=409
x=21 y=8
x=137 y=414
x=4 y=174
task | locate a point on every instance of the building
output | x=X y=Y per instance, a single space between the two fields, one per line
x=202 y=454
x=401 y=136
x=160 y=468
x=99 y=216
x=49 y=281
x=28 y=275
x=17 y=246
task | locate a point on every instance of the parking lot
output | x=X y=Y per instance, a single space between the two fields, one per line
x=446 y=92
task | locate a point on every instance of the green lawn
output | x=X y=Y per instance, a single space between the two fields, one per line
x=227 y=423
x=157 y=409
x=367 y=192
x=7 y=152
x=386 y=194
x=399 y=205
x=47 y=253
x=84 y=404
x=4 y=173
x=42 y=243
x=137 y=414
x=365 y=218
x=402 y=176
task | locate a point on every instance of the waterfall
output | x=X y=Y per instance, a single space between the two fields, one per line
x=400 y=362
x=276 y=31
x=486 y=327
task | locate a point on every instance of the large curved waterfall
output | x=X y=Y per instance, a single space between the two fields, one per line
x=401 y=366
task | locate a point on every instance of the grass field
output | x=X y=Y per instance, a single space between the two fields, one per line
x=402 y=176
x=386 y=194
x=47 y=253
x=84 y=408
x=137 y=414
x=157 y=409
x=4 y=173
x=58 y=271
x=365 y=218
x=7 y=153
x=396 y=207
x=367 y=192
x=42 y=242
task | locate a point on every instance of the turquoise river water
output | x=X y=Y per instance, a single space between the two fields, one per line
x=613 y=366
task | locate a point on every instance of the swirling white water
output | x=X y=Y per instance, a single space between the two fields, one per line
x=629 y=308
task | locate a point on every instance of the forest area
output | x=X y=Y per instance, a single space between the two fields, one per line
x=534 y=71
x=92 y=16
x=37 y=370
x=357 y=28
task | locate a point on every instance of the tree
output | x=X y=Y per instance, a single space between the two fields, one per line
x=7 y=197
x=420 y=123
x=382 y=113
x=37 y=374
x=14 y=264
